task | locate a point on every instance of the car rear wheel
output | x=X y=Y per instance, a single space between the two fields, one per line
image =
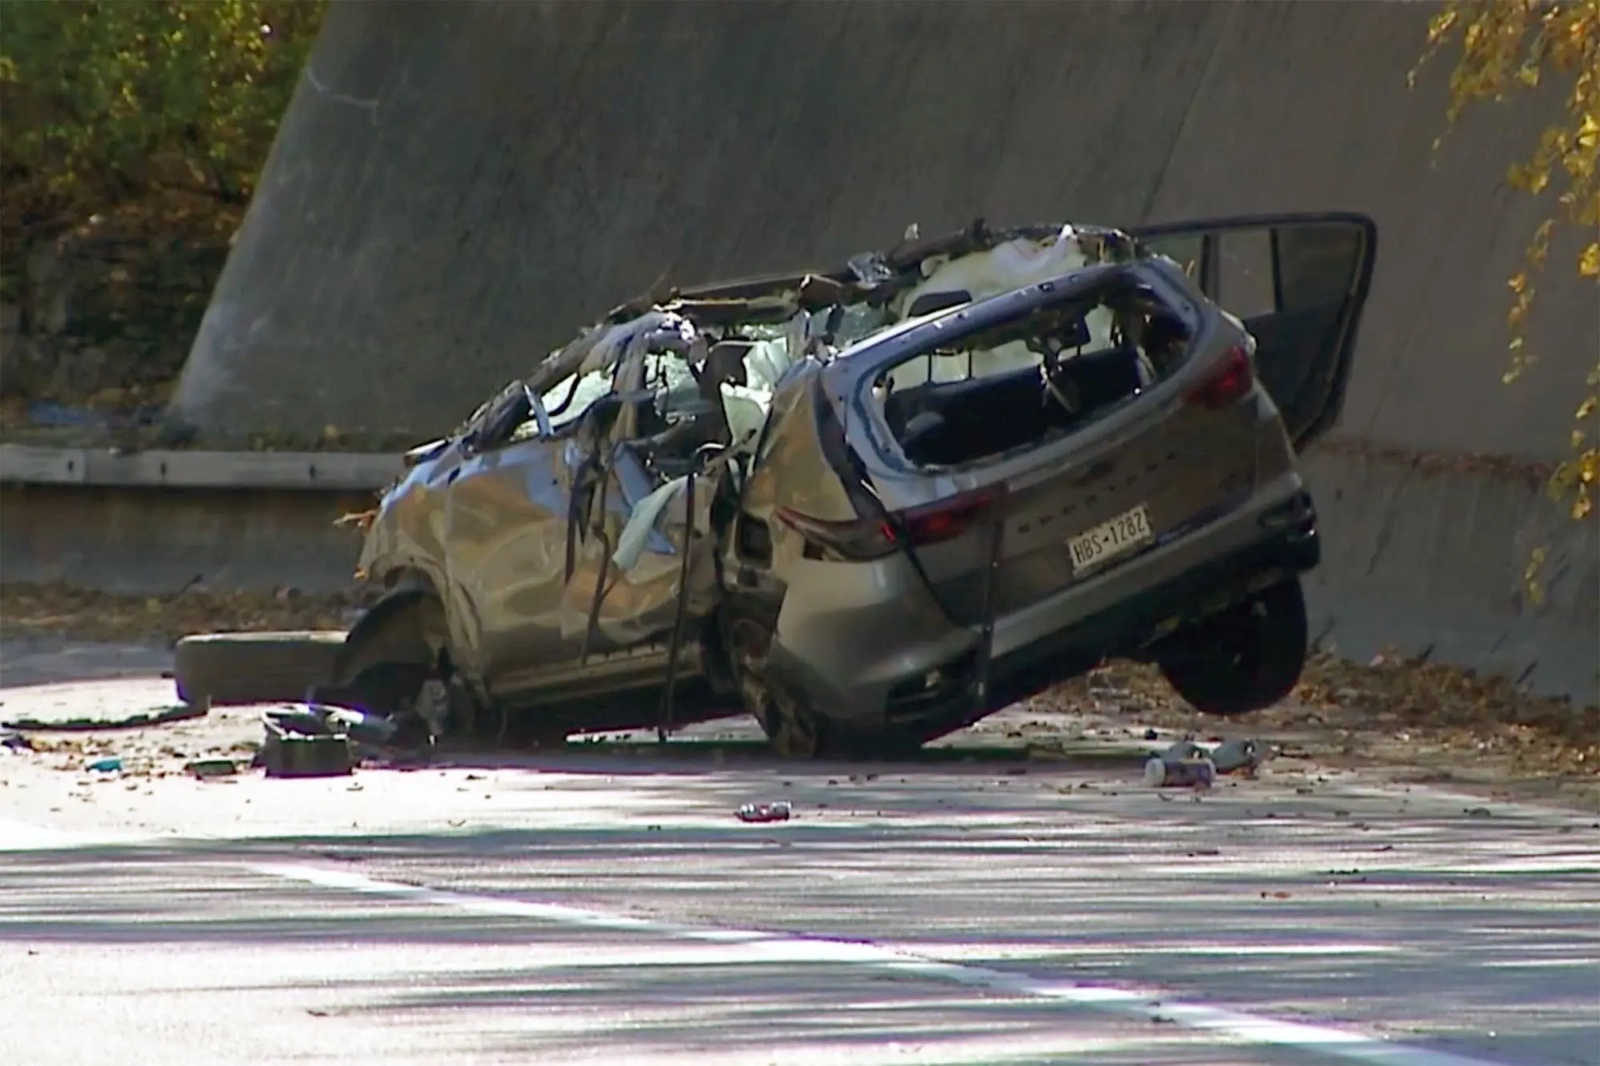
x=1245 y=659
x=793 y=731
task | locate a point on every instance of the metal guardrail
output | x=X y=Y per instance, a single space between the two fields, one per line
x=313 y=471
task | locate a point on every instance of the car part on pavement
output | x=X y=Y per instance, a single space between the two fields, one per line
x=238 y=668
x=204 y=769
x=872 y=505
x=304 y=744
x=364 y=728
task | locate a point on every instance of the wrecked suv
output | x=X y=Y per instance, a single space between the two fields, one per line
x=874 y=505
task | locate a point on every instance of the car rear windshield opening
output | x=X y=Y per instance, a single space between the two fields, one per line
x=1032 y=379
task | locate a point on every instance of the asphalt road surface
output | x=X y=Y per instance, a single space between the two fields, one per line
x=604 y=905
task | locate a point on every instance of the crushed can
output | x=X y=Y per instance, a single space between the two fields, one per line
x=765 y=812
x=1179 y=773
x=1243 y=757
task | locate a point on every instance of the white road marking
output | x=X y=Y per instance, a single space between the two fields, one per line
x=782 y=947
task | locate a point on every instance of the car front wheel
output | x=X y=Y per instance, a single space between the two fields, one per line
x=1244 y=659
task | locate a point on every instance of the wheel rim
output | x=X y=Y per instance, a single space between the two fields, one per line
x=749 y=643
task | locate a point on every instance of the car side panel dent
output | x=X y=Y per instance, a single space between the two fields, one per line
x=790 y=468
x=406 y=535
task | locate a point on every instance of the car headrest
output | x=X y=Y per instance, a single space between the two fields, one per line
x=725 y=363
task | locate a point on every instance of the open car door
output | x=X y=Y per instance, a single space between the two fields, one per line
x=1299 y=283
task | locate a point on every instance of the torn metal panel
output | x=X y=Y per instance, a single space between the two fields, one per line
x=637 y=571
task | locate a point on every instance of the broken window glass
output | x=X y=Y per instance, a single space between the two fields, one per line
x=1029 y=380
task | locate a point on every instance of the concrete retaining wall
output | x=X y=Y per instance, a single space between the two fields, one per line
x=1430 y=557
x=147 y=541
x=458 y=185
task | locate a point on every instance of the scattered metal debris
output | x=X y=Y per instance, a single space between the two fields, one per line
x=305 y=743
x=364 y=728
x=105 y=766
x=209 y=768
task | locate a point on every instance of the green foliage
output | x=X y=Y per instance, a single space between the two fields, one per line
x=102 y=101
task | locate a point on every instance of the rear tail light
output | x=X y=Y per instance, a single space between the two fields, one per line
x=945 y=520
x=865 y=539
x=1227 y=383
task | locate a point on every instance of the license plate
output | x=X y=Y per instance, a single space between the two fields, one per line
x=1110 y=539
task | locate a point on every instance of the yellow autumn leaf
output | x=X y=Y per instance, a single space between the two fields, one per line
x=1588 y=135
x=1589 y=261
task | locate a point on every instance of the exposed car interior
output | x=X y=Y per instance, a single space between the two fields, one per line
x=1030 y=380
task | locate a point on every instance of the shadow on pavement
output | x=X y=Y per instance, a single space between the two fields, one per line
x=1413 y=923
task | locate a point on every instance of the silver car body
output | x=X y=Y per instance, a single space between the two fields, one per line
x=568 y=554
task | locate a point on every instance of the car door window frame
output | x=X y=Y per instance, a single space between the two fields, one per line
x=1304 y=427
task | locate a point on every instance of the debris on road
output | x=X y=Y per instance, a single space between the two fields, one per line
x=105 y=766
x=364 y=728
x=765 y=812
x=208 y=768
x=1189 y=765
x=305 y=742
x=182 y=712
x=1161 y=771
x=1238 y=756
x=13 y=742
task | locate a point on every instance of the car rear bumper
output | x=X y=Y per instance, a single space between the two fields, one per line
x=1134 y=623
x=1117 y=613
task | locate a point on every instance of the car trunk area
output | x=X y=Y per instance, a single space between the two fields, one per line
x=983 y=397
x=1026 y=382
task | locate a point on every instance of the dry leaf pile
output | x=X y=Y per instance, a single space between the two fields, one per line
x=82 y=614
x=1389 y=708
